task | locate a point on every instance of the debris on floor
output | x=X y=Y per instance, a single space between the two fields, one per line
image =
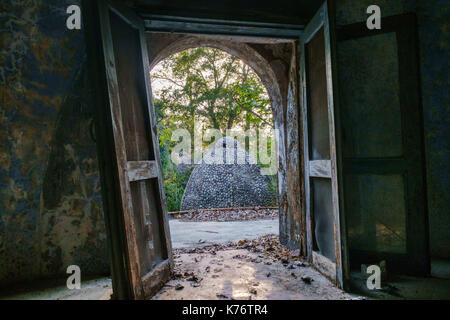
x=232 y=214
x=249 y=269
x=267 y=246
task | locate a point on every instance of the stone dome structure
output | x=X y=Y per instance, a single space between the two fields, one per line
x=226 y=177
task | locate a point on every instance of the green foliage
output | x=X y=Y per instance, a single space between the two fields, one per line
x=174 y=185
x=174 y=180
x=209 y=86
x=250 y=99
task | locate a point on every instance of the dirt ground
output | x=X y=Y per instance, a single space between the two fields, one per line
x=248 y=270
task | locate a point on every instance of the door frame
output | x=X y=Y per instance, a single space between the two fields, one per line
x=325 y=18
x=166 y=24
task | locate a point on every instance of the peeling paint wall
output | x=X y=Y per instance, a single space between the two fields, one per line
x=50 y=202
x=434 y=34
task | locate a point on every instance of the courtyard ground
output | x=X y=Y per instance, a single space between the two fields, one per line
x=197 y=234
x=256 y=269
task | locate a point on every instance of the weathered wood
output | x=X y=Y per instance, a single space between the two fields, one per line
x=332 y=109
x=409 y=164
x=163 y=220
x=324 y=266
x=342 y=266
x=154 y=280
x=109 y=172
x=272 y=32
x=133 y=184
x=320 y=168
x=128 y=224
x=141 y=170
x=317 y=86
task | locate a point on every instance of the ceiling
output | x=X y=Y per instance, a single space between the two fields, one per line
x=297 y=12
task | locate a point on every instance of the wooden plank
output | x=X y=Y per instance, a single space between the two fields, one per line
x=109 y=172
x=342 y=266
x=332 y=103
x=141 y=170
x=155 y=279
x=320 y=168
x=324 y=266
x=172 y=24
x=127 y=214
x=305 y=128
x=359 y=29
x=161 y=197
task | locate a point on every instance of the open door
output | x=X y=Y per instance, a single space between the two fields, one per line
x=382 y=145
x=133 y=196
x=320 y=138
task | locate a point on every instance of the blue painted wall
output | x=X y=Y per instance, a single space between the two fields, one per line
x=50 y=203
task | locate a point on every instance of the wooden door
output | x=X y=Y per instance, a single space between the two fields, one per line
x=382 y=145
x=134 y=200
x=319 y=132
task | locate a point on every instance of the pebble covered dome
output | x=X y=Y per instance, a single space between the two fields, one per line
x=226 y=177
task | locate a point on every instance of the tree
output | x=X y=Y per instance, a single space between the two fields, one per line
x=210 y=86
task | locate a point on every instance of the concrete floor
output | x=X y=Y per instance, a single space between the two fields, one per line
x=196 y=234
x=238 y=274
x=403 y=287
x=96 y=289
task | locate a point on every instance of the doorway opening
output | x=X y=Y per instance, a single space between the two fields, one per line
x=217 y=146
x=223 y=203
x=131 y=49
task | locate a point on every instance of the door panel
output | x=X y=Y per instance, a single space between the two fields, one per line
x=135 y=209
x=321 y=170
x=322 y=217
x=370 y=96
x=382 y=146
x=132 y=93
x=319 y=132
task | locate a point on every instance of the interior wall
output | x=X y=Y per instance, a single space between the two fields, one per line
x=434 y=51
x=50 y=202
